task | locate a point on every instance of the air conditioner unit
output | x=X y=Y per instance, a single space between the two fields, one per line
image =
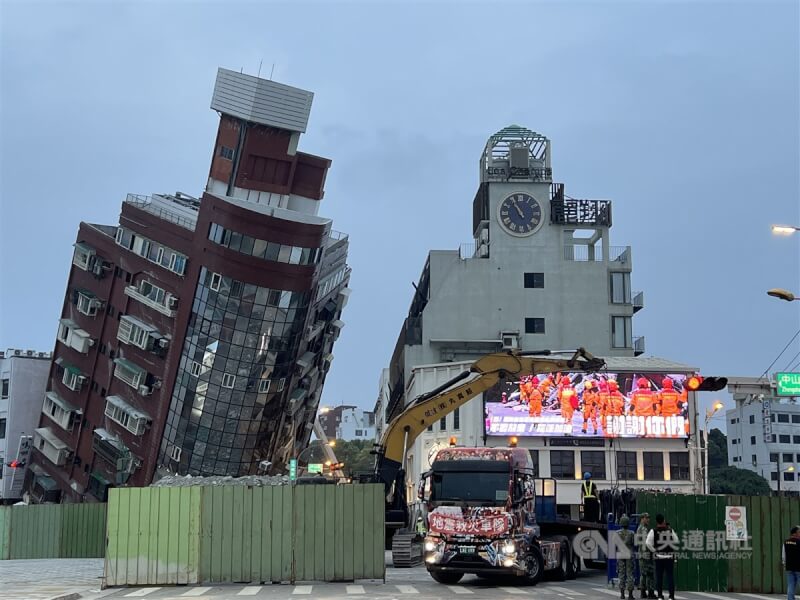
x=163 y=342
x=97 y=269
x=483 y=251
x=82 y=378
x=172 y=302
x=510 y=340
x=145 y=390
x=309 y=329
x=29 y=352
x=17 y=352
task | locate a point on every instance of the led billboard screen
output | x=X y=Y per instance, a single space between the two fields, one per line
x=598 y=405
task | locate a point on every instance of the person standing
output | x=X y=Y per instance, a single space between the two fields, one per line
x=663 y=542
x=647 y=572
x=790 y=557
x=625 y=565
x=591 y=499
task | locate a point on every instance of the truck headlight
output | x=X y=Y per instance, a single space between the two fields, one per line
x=430 y=545
x=509 y=562
x=509 y=548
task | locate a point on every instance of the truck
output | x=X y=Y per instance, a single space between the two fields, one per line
x=490 y=516
x=428 y=408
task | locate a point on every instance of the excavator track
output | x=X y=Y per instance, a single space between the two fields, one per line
x=406 y=550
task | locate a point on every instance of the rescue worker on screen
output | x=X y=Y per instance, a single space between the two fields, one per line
x=669 y=400
x=591 y=405
x=591 y=499
x=523 y=390
x=647 y=568
x=568 y=398
x=534 y=401
x=643 y=402
x=612 y=404
x=625 y=565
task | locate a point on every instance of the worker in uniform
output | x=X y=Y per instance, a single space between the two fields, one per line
x=591 y=499
x=669 y=401
x=568 y=399
x=534 y=401
x=647 y=568
x=625 y=565
x=524 y=390
x=591 y=401
x=421 y=530
x=613 y=404
x=642 y=399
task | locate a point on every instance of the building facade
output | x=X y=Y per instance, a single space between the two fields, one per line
x=540 y=273
x=348 y=423
x=23 y=378
x=764 y=433
x=197 y=333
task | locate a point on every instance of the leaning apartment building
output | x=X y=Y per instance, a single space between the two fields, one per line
x=540 y=273
x=196 y=334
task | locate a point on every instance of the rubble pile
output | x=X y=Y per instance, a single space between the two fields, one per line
x=247 y=480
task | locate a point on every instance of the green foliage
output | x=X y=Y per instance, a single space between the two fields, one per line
x=717 y=449
x=355 y=455
x=730 y=480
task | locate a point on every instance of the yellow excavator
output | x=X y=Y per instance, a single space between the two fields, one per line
x=430 y=407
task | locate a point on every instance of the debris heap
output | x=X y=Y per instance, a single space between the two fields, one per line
x=247 y=480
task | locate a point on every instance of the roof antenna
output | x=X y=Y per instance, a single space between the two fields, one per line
x=272 y=71
x=259 y=67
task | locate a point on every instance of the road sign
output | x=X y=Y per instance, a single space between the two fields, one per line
x=315 y=467
x=293 y=469
x=735 y=523
x=788 y=384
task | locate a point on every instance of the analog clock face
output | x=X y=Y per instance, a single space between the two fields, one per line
x=520 y=214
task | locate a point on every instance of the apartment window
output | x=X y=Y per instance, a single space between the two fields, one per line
x=621 y=336
x=654 y=466
x=263 y=386
x=754 y=460
x=679 y=466
x=787 y=457
x=534 y=325
x=783 y=418
x=177 y=263
x=627 y=467
x=87 y=303
x=795 y=418
x=594 y=461
x=133 y=331
x=772 y=417
x=534 y=280
x=620 y=288
x=787 y=476
x=281 y=384
x=752 y=419
x=753 y=440
x=216 y=281
x=83 y=257
x=784 y=439
x=129 y=372
x=734 y=442
x=562 y=464
x=796 y=439
x=443 y=424
x=457 y=419
x=228 y=380
x=773 y=457
x=72 y=378
x=141 y=246
x=126 y=415
x=735 y=459
x=535 y=458
x=430 y=427
x=226 y=152
x=2 y=429
x=4 y=388
x=774 y=476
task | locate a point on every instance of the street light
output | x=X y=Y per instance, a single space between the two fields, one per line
x=332 y=443
x=784 y=229
x=782 y=294
x=710 y=412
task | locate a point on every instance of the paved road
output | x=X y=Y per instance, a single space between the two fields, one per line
x=45 y=579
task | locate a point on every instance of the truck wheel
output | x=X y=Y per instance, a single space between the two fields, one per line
x=564 y=563
x=535 y=565
x=446 y=577
x=575 y=565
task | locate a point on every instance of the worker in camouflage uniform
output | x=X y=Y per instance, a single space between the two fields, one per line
x=647 y=569
x=625 y=565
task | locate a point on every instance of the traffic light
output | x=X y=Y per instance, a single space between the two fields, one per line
x=16 y=464
x=336 y=466
x=698 y=383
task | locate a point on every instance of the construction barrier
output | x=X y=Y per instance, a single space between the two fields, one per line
x=708 y=560
x=52 y=531
x=217 y=534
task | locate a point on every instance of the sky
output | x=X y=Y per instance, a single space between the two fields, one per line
x=684 y=114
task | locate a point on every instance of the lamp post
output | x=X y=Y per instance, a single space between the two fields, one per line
x=311 y=446
x=710 y=412
x=782 y=294
x=784 y=229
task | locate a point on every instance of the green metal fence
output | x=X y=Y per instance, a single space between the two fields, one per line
x=52 y=531
x=238 y=534
x=753 y=566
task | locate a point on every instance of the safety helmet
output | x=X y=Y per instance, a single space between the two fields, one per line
x=643 y=383
x=624 y=521
x=667 y=383
x=587 y=475
x=613 y=385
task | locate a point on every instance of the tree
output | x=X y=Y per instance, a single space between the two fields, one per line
x=730 y=480
x=717 y=450
x=355 y=454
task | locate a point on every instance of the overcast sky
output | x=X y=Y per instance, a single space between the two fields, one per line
x=684 y=114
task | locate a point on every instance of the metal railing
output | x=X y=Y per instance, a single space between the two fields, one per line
x=638 y=345
x=146 y=204
x=619 y=254
x=583 y=253
x=638 y=301
x=473 y=250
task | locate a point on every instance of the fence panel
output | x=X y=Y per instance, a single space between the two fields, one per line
x=5 y=532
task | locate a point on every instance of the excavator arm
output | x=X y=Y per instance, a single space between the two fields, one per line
x=431 y=407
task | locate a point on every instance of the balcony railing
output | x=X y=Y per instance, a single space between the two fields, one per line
x=473 y=250
x=584 y=253
x=134 y=293
x=638 y=301
x=620 y=254
x=638 y=345
x=146 y=204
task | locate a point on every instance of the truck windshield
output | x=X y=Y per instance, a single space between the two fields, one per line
x=470 y=487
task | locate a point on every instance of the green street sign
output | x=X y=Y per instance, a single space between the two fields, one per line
x=788 y=384
x=315 y=467
x=293 y=469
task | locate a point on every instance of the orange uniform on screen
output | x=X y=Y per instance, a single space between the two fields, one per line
x=669 y=400
x=643 y=401
x=591 y=404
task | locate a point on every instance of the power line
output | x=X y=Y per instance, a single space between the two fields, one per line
x=781 y=354
x=791 y=360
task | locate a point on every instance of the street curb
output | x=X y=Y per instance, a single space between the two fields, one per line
x=72 y=596
x=85 y=595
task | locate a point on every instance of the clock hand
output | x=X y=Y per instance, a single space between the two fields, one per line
x=519 y=210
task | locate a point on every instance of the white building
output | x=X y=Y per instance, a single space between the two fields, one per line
x=23 y=379
x=764 y=433
x=540 y=273
x=356 y=424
